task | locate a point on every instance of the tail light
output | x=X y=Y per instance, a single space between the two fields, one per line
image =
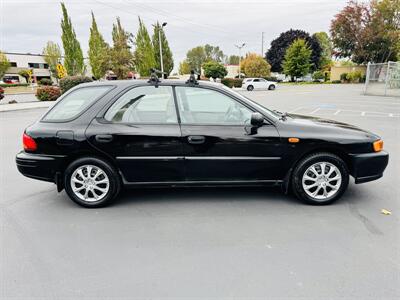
x=29 y=143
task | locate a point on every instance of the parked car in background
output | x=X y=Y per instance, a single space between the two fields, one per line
x=101 y=136
x=1 y=93
x=258 y=84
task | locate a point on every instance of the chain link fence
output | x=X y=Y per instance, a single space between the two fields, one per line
x=383 y=79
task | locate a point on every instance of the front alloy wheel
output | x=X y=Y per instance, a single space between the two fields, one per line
x=320 y=178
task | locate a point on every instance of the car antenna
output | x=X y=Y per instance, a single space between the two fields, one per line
x=192 y=79
x=153 y=76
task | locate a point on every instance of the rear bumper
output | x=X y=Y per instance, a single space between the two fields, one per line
x=39 y=166
x=368 y=166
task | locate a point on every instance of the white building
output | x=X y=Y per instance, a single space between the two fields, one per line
x=34 y=62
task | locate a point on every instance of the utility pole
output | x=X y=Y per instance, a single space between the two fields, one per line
x=159 y=40
x=262 y=44
x=240 y=55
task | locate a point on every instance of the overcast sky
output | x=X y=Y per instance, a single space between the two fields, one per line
x=26 y=26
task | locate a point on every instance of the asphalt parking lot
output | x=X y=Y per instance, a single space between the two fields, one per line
x=208 y=242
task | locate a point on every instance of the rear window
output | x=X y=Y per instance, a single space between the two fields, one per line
x=75 y=103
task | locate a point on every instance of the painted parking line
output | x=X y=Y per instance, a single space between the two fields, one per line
x=324 y=111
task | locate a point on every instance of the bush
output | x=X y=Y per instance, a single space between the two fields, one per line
x=336 y=81
x=232 y=82
x=13 y=84
x=318 y=76
x=69 y=82
x=48 y=93
x=343 y=77
x=271 y=78
x=355 y=76
x=45 y=81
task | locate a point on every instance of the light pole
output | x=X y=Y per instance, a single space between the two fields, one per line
x=159 y=39
x=240 y=54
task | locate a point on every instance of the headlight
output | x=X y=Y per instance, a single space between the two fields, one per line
x=378 y=145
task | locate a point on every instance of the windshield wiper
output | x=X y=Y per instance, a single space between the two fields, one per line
x=283 y=114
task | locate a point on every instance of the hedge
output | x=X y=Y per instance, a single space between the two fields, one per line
x=69 y=82
x=232 y=82
x=13 y=84
x=48 y=93
x=45 y=81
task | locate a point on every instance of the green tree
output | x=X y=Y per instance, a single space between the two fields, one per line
x=213 y=53
x=297 y=61
x=168 y=61
x=233 y=60
x=367 y=32
x=4 y=64
x=73 y=57
x=52 y=56
x=99 y=58
x=214 y=69
x=121 y=55
x=326 y=49
x=144 y=54
x=254 y=65
x=184 y=68
x=25 y=73
x=195 y=57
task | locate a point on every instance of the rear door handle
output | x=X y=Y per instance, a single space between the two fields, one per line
x=104 y=138
x=196 y=139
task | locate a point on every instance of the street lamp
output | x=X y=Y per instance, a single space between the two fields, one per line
x=161 y=54
x=240 y=54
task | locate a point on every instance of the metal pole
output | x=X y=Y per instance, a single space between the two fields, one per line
x=161 y=55
x=367 y=78
x=240 y=54
x=262 y=43
x=387 y=76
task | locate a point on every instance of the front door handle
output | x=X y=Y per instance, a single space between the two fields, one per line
x=104 y=138
x=196 y=139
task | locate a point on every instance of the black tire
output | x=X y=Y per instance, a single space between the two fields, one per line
x=250 y=88
x=271 y=87
x=310 y=160
x=112 y=176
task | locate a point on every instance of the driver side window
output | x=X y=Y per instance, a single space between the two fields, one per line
x=208 y=107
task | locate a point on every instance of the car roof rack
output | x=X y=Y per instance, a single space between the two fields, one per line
x=153 y=76
x=192 y=79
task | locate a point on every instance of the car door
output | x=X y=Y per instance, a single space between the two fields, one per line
x=218 y=143
x=140 y=131
x=257 y=84
x=263 y=84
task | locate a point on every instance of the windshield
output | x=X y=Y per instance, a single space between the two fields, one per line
x=260 y=107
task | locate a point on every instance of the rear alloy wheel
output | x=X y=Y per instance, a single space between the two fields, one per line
x=320 y=178
x=250 y=88
x=91 y=182
x=271 y=87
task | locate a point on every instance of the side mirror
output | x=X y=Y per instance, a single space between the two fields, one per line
x=257 y=119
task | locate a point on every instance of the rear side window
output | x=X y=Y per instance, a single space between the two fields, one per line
x=75 y=103
x=144 y=105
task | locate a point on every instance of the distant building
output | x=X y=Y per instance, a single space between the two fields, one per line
x=34 y=62
x=233 y=71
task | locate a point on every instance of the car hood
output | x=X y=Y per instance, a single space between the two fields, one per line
x=327 y=125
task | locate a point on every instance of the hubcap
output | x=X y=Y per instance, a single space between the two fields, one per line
x=90 y=183
x=322 y=180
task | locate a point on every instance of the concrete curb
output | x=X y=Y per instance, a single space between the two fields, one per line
x=23 y=106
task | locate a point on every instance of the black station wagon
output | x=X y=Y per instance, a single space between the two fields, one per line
x=102 y=136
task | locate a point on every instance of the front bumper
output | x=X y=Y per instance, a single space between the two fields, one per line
x=368 y=166
x=39 y=166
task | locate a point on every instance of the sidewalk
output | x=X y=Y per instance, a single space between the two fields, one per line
x=27 y=105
